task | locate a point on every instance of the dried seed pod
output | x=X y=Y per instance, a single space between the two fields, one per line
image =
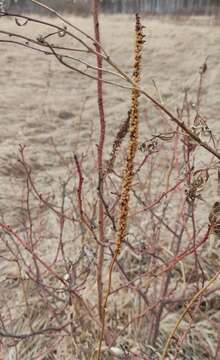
x=214 y=218
x=198 y=183
x=117 y=144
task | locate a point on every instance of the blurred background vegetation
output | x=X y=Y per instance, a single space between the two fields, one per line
x=196 y=7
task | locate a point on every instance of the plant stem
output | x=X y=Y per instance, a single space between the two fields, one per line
x=95 y=10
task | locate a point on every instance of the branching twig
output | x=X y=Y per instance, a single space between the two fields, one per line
x=190 y=303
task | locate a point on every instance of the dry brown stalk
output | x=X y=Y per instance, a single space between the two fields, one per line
x=133 y=140
x=129 y=165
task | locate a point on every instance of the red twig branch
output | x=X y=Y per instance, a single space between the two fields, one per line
x=95 y=8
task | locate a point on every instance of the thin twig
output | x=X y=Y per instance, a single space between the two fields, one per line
x=194 y=298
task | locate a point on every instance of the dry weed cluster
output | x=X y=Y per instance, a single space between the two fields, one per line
x=116 y=264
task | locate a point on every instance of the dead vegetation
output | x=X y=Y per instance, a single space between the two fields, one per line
x=60 y=196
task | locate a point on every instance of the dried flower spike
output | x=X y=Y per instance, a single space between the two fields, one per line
x=133 y=139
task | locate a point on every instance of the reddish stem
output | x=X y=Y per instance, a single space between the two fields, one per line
x=95 y=10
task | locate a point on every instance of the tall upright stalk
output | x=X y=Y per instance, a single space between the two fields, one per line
x=95 y=10
x=129 y=166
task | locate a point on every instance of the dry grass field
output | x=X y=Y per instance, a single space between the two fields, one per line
x=36 y=91
x=53 y=112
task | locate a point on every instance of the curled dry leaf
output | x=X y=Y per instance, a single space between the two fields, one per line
x=197 y=185
x=19 y=23
x=214 y=218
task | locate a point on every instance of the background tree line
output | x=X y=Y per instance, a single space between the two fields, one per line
x=160 y=6
x=125 y=6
